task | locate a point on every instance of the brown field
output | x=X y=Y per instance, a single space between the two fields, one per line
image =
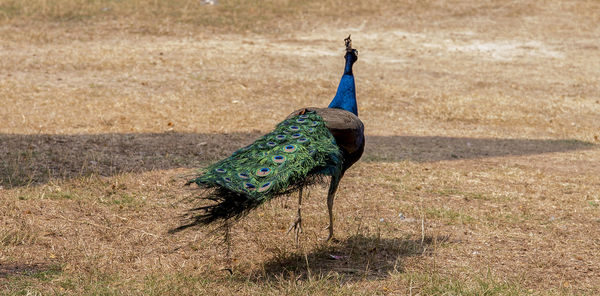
x=481 y=174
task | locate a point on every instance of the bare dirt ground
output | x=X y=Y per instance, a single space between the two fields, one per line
x=481 y=174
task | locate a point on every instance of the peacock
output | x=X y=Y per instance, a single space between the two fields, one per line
x=309 y=145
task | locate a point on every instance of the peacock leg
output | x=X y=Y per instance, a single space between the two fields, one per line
x=297 y=224
x=335 y=181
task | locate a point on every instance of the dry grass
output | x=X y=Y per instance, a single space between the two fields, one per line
x=481 y=121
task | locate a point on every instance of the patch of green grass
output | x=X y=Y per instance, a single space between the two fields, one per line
x=124 y=199
x=456 y=192
x=436 y=284
x=8 y=10
x=94 y=283
x=101 y=284
x=61 y=195
x=474 y=195
x=319 y=284
x=23 y=235
x=26 y=279
x=179 y=283
x=45 y=274
x=446 y=192
x=60 y=10
x=448 y=215
x=55 y=195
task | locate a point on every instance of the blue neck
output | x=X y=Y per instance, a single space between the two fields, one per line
x=345 y=97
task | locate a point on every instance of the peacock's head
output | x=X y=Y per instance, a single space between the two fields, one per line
x=351 y=56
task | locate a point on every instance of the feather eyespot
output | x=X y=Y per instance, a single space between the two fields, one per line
x=289 y=148
x=310 y=130
x=264 y=187
x=314 y=123
x=303 y=116
x=227 y=179
x=294 y=128
x=261 y=145
x=301 y=120
x=220 y=170
x=296 y=135
x=263 y=172
x=243 y=175
x=280 y=137
x=271 y=144
x=278 y=158
x=302 y=140
x=249 y=186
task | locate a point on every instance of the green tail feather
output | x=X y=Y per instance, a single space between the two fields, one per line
x=297 y=152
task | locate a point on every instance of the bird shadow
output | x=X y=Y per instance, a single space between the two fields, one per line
x=354 y=258
x=38 y=270
x=436 y=148
x=36 y=159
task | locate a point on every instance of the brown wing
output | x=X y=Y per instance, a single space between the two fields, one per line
x=346 y=128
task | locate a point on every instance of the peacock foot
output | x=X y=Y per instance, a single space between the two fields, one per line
x=330 y=236
x=297 y=226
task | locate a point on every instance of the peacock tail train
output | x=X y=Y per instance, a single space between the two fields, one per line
x=299 y=151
